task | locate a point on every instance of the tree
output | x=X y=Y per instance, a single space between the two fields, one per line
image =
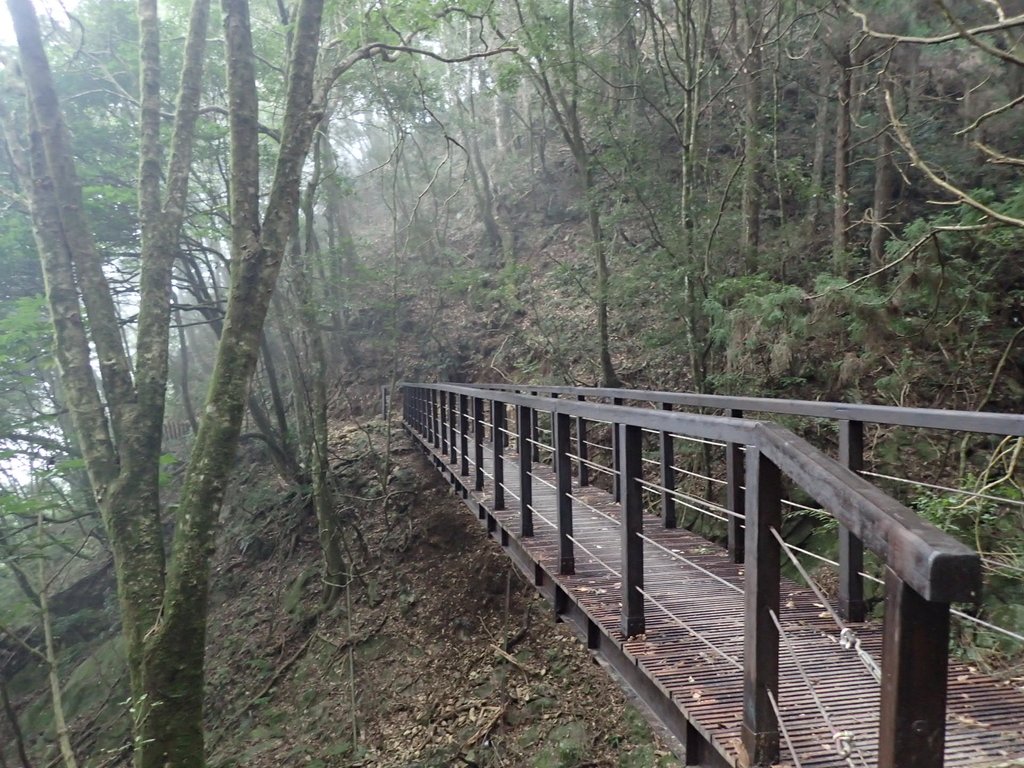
x=554 y=66
x=119 y=419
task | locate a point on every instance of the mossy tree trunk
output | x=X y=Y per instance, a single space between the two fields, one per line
x=118 y=419
x=175 y=645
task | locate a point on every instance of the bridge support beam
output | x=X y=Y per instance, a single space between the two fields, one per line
x=760 y=729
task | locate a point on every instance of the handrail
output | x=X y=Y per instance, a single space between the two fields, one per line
x=937 y=566
x=1005 y=424
x=933 y=563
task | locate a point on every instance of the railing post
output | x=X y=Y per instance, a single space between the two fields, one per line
x=428 y=414
x=464 y=435
x=668 y=476
x=630 y=472
x=453 y=442
x=442 y=415
x=498 y=447
x=534 y=432
x=435 y=413
x=760 y=730
x=524 y=421
x=478 y=443
x=616 y=457
x=915 y=647
x=735 y=498
x=851 y=549
x=563 y=488
x=581 y=447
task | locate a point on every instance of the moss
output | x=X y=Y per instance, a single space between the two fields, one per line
x=566 y=746
x=292 y=599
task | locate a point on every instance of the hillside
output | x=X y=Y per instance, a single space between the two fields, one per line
x=434 y=605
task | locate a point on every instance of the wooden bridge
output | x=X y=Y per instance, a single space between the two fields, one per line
x=741 y=664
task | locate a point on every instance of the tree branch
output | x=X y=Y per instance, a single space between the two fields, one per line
x=915 y=158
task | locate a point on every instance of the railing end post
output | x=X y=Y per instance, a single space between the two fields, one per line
x=760 y=729
x=915 y=663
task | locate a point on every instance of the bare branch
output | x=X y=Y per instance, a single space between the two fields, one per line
x=371 y=50
x=915 y=158
x=998 y=158
x=990 y=114
x=1011 y=23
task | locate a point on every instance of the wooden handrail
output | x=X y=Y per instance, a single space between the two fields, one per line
x=937 y=566
x=1003 y=424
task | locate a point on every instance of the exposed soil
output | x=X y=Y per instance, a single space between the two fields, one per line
x=434 y=606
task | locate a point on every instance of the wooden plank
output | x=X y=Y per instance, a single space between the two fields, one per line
x=933 y=563
x=1009 y=424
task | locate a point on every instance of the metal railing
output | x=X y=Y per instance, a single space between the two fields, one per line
x=924 y=569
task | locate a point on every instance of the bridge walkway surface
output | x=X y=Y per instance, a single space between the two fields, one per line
x=687 y=665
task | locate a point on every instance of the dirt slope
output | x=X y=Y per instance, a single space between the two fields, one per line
x=434 y=605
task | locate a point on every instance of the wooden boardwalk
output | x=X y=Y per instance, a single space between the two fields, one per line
x=687 y=667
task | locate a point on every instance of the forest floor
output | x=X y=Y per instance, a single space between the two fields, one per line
x=417 y=672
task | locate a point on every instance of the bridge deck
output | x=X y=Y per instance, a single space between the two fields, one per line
x=692 y=651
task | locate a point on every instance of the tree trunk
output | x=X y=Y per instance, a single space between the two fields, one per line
x=753 y=128
x=820 y=143
x=170 y=729
x=841 y=202
x=881 y=205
